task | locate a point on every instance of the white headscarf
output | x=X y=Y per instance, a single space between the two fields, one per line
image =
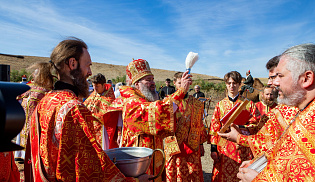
x=117 y=93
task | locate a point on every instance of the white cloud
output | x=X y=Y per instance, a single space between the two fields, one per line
x=228 y=35
x=42 y=21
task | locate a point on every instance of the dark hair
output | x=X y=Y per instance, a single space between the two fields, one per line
x=66 y=49
x=178 y=75
x=98 y=79
x=236 y=76
x=272 y=63
x=168 y=80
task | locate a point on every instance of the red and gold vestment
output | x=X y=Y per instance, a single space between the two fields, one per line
x=277 y=120
x=99 y=104
x=145 y=123
x=183 y=154
x=30 y=100
x=264 y=108
x=292 y=158
x=230 y=154
x=63 y=144
x=8 y=169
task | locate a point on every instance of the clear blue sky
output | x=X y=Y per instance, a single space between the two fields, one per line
x=228 y=34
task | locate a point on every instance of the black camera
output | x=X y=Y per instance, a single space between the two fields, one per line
x=12 y=116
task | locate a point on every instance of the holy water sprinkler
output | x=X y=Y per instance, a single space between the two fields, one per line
x=190 y=60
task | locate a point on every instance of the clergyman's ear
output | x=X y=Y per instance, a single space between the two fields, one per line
x=307 y=79
x=137 y=84
x=73 y=63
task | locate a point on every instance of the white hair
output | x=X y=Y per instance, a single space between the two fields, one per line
x=150 y=95
x=302 y=59
x=293 y=97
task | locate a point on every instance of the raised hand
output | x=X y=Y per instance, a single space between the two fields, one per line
x=186 y=81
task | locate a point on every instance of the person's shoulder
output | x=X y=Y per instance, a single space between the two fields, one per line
x=223 y=102
x=62 y=94
x=90 y=97
x=130 y=92
x=108 y=85
x=286 y=108
x=60 y=99
x=75 y=106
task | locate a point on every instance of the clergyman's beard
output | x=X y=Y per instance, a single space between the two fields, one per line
x=79 y=81
x=294 y=98
x=267 y=102
x=150 y=95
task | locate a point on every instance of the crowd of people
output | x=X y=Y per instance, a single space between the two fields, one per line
x=68 y=128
